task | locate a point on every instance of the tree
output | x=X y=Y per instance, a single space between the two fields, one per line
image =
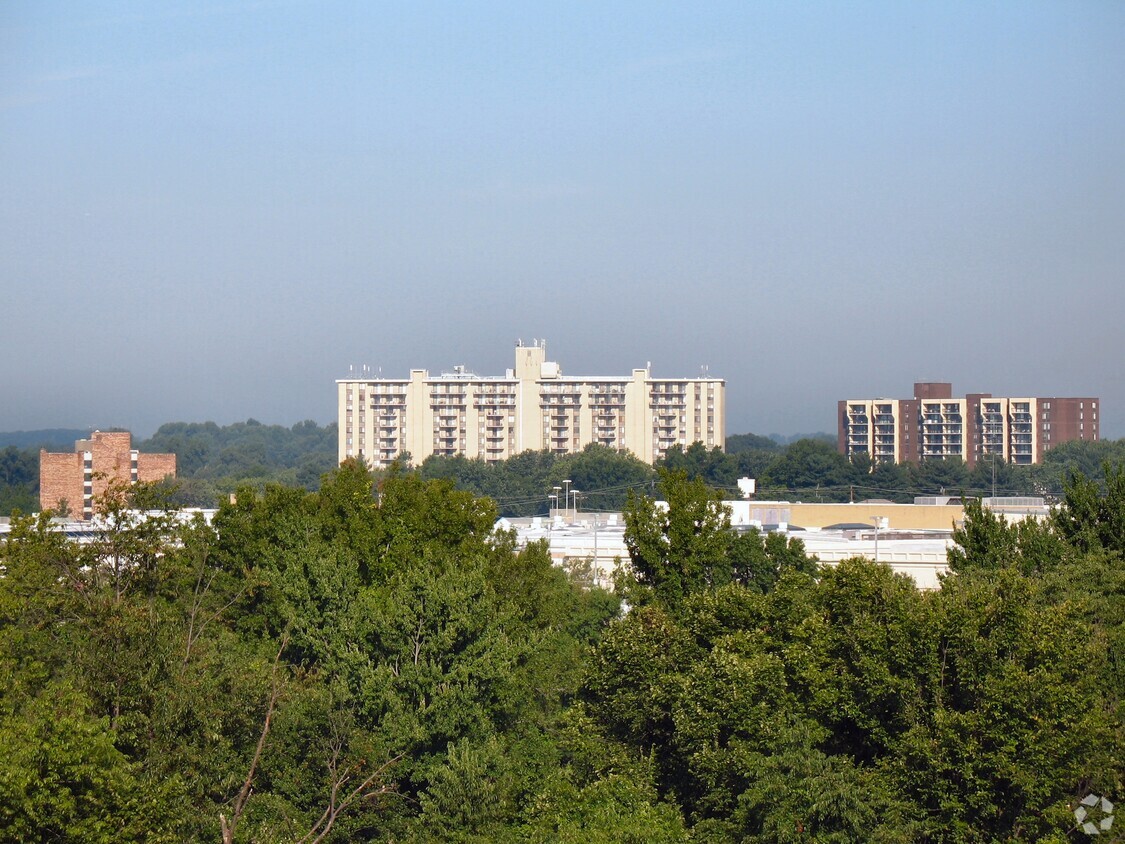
x=986 y=540
x=712 y=466
x=1014 y=727
x=630 y=686
x=873 y=656
x=797 y=793
x=758 y=560
x=739 y=443
x=682 y=548
x=806 y=465
x=19 y=480
x=604 y=475
x=619 y=808
x=1088 y=519
x=939 y=477
x=133 y=526
x=63 y=779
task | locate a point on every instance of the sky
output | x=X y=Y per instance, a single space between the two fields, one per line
x=211 y=210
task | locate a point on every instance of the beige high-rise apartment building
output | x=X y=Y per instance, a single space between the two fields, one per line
x=933 y=425
x=532 y=407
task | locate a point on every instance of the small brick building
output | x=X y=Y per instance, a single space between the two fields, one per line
x=78 y=478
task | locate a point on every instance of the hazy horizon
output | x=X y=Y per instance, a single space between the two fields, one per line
x=211 y=210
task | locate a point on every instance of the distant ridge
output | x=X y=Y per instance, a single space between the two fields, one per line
x=51 y=438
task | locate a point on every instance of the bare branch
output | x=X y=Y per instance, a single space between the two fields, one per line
x=365 y=790
x=193 y=638
x=239 y=805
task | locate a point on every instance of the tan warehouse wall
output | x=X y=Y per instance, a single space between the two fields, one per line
x=898 y=516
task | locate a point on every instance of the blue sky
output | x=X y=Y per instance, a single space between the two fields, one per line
x=210 y=210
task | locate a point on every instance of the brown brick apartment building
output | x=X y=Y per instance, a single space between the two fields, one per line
x=77 y=478
x=933 y=425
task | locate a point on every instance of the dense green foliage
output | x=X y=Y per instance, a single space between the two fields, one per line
x=212 y=461
x=19 y=480
x=244 y=679
x=844 y=705
x=521 y=484
x=371 y=662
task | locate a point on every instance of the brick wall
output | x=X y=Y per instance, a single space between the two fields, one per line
x=60 y=479
x=112 y=458
x=155 y=467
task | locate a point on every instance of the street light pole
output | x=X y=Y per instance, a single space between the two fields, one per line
x=880 y=522
x=595 y=552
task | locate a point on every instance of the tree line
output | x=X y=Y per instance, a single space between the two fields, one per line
x=807 y=469
x=372 y=662
x=213 y=461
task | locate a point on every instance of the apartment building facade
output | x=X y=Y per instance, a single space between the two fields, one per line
x=71 y=481
x=532 y=407
x=934 y=425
